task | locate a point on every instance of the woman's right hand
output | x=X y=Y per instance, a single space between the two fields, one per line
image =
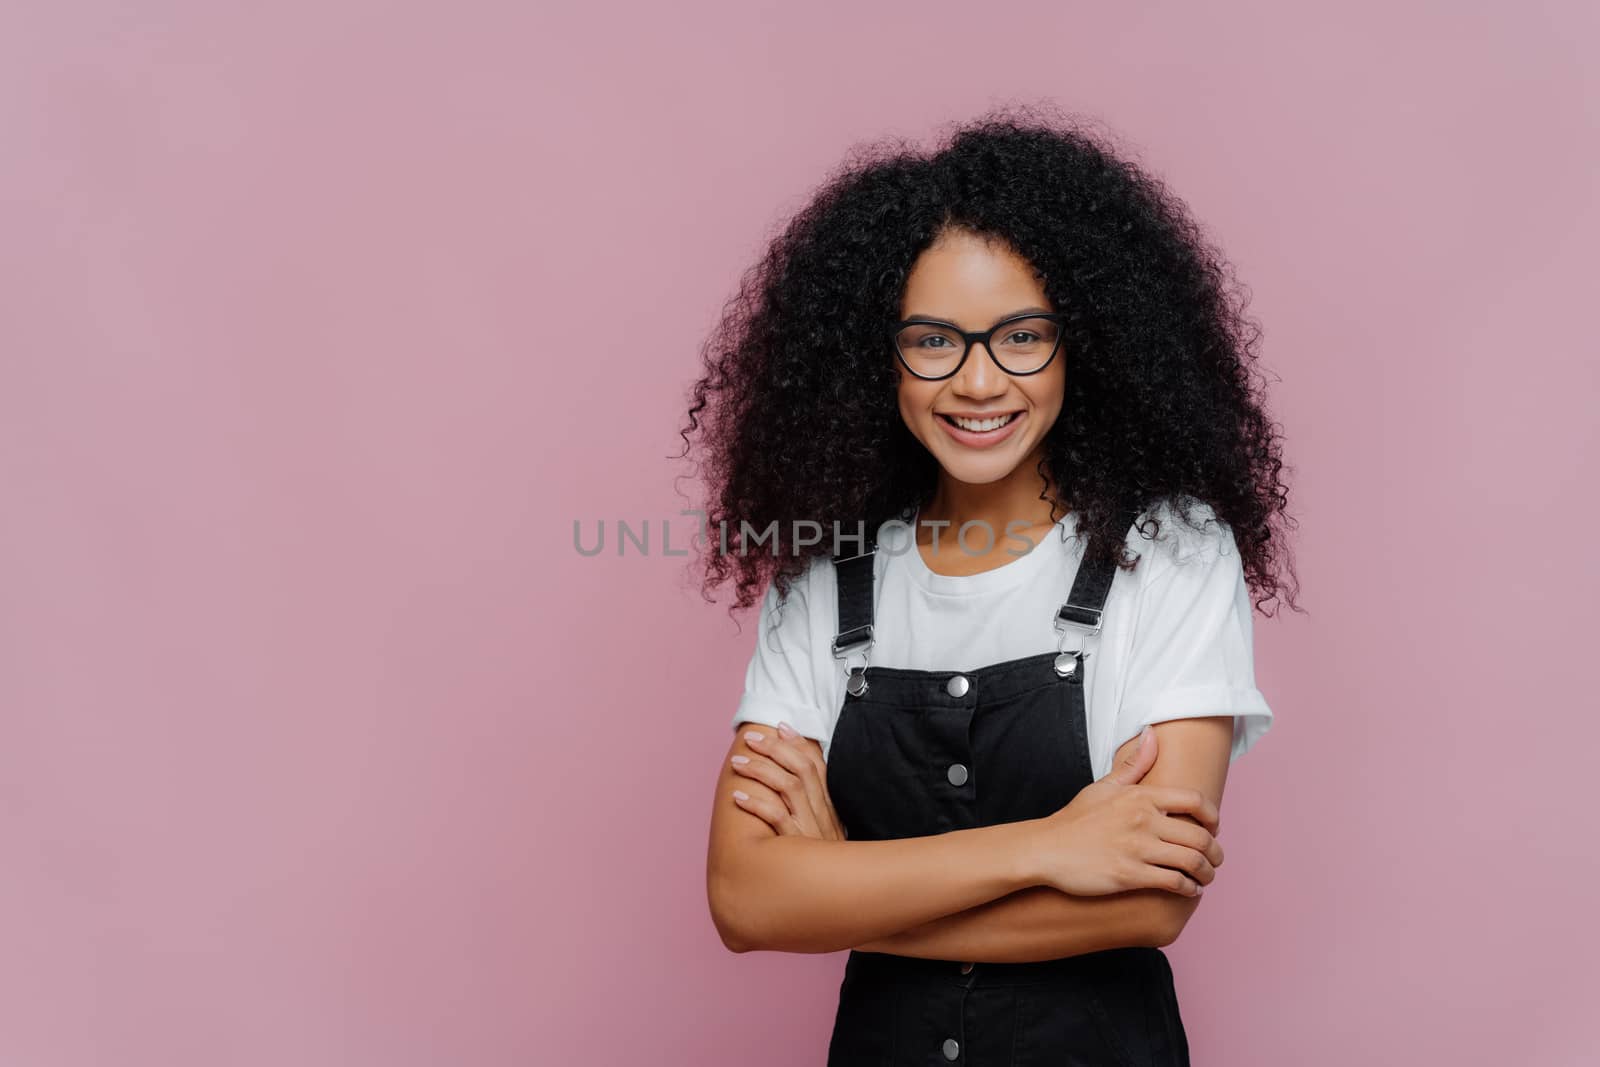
x=1117 y=835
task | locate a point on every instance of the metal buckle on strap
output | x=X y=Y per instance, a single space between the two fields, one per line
x=842 y=644
x=1077 y=615
x=1069 y=662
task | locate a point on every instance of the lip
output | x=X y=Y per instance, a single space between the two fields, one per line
x=973 y=439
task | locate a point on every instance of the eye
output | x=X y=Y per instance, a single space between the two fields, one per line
x=932 y=337
x=1021 y=333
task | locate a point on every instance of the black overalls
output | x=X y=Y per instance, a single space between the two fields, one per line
x=918 y=752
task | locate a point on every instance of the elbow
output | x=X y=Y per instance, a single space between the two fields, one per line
x=733 y=936
x=749 y=922
x=734 y=939
x=1168 y=918
x=754 y=912
x=1164 y=931
x=735 y=924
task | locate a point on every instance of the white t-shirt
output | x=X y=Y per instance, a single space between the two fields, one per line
x=1175 y=639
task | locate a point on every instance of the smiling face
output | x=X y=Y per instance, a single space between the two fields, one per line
x=974 y=283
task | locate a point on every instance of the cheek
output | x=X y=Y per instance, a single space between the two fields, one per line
x=1048 y=396
x=916 y=401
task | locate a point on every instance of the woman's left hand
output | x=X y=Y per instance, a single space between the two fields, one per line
x=791 y=766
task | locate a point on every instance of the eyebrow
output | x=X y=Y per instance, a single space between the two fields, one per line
x=1002 y=318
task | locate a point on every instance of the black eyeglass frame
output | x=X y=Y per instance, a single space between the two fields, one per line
x=985 y=336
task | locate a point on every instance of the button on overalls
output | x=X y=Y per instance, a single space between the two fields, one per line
x=919 y=752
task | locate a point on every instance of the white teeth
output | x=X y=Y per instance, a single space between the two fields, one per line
x=980 y=425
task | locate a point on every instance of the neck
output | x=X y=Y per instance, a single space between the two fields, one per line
x=1014 y=498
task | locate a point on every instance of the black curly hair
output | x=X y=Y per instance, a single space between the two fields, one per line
x=797 y=408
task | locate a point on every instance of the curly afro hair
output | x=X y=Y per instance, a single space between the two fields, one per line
x=797 y=409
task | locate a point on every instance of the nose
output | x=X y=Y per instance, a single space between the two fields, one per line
x=980 y=376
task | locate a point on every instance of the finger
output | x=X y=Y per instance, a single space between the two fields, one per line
x=821 y=801
x=770 y=810
x=785 y=784
x=1138 y=761
x=1173 y=881
x=768 y=744
x=761 y=802
x=1173 y=798
x=1192 y=863
x=808 y=792
x=816 y=782
x=803 y=745
x=1180 y=831
x=826 y=813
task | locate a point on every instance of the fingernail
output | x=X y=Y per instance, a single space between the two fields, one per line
x=787 y=731
x=739 y=794
x=740 y=759
x=751 y=735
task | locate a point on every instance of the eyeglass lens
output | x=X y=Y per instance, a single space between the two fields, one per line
x=1019 y=346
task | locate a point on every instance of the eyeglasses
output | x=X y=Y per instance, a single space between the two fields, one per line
x=1021 y=345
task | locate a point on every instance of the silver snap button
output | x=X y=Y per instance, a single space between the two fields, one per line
x=957 y=686
x=966 y=968
x=952 y=1048
x=957 y=773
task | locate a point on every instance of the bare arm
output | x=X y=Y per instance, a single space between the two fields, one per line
x=1038 y=923
x=804 y=894
x=1041 y=922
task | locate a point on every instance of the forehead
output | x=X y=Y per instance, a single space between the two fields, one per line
x=971 y=280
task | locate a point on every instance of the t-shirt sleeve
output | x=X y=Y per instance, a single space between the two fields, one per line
x=780 y=684
x=1192 y=652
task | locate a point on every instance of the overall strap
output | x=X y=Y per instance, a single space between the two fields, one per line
x=1086 y=603
x=855 y=597
x=855 y=577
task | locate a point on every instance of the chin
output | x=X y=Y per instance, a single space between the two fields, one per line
x=971 y=471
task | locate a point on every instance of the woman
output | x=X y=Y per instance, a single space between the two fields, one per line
x=983 y=423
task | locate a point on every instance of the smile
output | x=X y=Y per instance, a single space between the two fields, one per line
x=981 y=433
x=981 y=425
